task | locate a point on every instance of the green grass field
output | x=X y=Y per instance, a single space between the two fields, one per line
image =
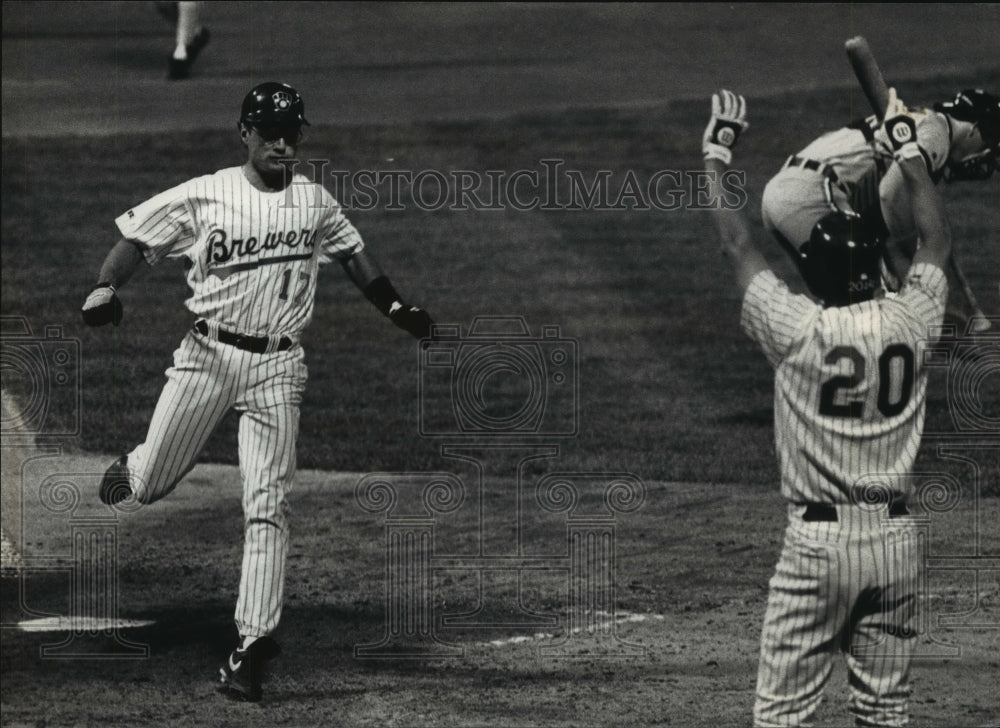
x=669 y=388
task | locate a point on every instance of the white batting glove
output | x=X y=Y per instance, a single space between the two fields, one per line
x=729 y=120
x=899 y=129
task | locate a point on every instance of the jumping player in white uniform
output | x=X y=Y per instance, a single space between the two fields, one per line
x=849 y=406
x=252 y=239
x=851 y=170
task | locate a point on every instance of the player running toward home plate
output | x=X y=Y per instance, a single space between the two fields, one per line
x=849 y=407
x=851 y=169
x=252 y=239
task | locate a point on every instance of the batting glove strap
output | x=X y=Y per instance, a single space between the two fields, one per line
x=717 y=151
x=413 y=320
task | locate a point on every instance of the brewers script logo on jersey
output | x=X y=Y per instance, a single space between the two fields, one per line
x=249 y=252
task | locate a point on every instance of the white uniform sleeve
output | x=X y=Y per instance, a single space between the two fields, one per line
x=163 y=226
x=338 y=238
x=775 y=317
x=934 y=140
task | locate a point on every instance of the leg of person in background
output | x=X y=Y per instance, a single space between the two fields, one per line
x=168 y=10
x=191 y=38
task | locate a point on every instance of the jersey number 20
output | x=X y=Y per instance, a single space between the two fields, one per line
x=892 y=381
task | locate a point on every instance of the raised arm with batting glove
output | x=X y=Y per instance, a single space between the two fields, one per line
x=727 y=122
x=925 y=201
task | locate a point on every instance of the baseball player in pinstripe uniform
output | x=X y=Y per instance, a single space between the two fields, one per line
x=851 y=170
x=849 y=406
x=252 y=239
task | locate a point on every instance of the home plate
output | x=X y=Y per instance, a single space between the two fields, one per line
x=81 y=624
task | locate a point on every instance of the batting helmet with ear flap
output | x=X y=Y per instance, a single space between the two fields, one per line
x=978 y=107
x=273 y=104
x=840 y=261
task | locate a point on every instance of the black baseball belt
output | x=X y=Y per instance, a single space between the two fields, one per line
x=824 y=169
x=253 y=344
x=827 y=512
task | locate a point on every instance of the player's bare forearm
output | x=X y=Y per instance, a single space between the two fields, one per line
x=121 y=262
x=924 y=200
x=734 y=232
x=928 y=213
x=897 y=211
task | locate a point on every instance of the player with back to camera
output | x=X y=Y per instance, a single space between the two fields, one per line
x=849 y=405
x=252 y=239
x=851 y=170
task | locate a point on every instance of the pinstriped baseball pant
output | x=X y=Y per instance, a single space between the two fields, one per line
x=839 y=588
x=208 y=379
x=795 y=199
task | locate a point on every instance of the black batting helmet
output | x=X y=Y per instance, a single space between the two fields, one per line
x=273 y=104
x=840 y=261
x=978 y=107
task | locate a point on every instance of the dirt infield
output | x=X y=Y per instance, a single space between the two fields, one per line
x=689 y=603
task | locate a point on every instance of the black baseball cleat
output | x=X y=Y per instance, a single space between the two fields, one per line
x=241 y=676
x=180 y=68
x=115 y=487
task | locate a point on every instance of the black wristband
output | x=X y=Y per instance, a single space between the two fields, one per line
x=381 y=293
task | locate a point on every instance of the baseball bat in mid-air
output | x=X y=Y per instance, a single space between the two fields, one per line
x=877 y=92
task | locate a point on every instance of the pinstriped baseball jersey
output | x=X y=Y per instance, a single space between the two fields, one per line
x=858 y=155
x=252 y=259
x=849 y=405
x=251 y=256
x=850 y=387
x=853 y=153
